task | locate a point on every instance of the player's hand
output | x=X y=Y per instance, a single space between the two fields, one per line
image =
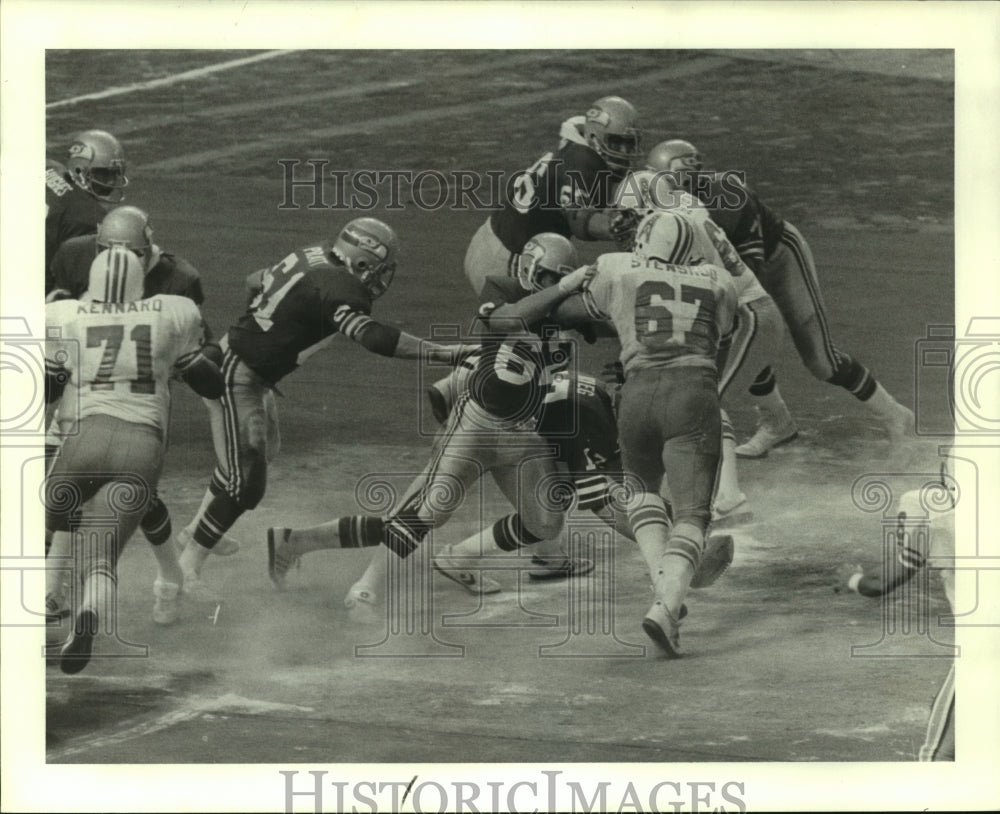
x=844 y=573
x=577 y=280
x=623 y=226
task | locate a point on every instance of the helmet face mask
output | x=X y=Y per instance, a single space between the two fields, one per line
x=97 y=165
x=611 y=129
x=545 y=259
x=369 y=248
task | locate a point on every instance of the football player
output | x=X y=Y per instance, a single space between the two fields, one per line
x=164 y=273
x=674 y=317
x=112 y=353
x=567 y=191
x=518 y=402
x=781 y=259
x=493 y=428
x=912 y=554
x=758 y=330
x=299 y=305
x=80 y=193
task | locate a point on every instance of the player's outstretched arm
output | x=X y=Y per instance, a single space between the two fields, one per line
x=201 y=374
x=872 y=581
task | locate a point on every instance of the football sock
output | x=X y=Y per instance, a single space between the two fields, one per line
x=155 y=523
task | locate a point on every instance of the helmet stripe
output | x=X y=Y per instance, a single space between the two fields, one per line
x=682 y=248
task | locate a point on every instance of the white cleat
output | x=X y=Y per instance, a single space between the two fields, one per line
x=472 y=580
x=226 y=546
x=166 y=602
x=362 y=606
x=767 y=438
x=735 y=515
x=664 y=629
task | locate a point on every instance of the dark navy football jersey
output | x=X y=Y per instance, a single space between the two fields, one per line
x=516 y=369
x=751 y=226
x=69 y=212
x=304 y=301
x=573 y=176
x=578 y=415
x=171 y=274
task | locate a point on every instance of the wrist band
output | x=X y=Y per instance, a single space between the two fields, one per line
x=852 y=583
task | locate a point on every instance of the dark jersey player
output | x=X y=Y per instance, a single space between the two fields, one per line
x=780 y=257
x=564 y=192
x=79 y=194
x=300 y=304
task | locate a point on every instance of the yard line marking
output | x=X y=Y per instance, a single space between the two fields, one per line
x=240 y=108
x=689 y=68
x=194 y=73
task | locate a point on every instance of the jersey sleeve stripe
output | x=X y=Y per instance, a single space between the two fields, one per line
x=592 y=307
x=354 y=324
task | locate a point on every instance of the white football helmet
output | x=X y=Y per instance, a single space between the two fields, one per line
x=97 y=165
x=126 y=226
x=611 y=128
x=369 y=248
x=116 y=275
x=669 y=237
x=546 y=253
x=644 y=190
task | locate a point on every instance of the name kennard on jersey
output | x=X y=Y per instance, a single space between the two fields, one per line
x=137 y=307
x=309 y=184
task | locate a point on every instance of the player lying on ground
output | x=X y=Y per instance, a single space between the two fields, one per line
x=111 y=354
x=299 y=305
x=913 y=551
x=517 y=374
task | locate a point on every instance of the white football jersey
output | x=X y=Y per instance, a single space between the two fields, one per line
x=665 y=315
x=119 y=356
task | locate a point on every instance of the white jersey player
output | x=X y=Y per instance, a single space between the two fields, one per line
x=673 y=313
x=758 y=330
x=109 y=356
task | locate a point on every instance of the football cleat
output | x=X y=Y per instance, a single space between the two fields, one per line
x=362 y=606
x=611 y=128
x=280 y=556
x=97 y=165
x=545 y=259
x=900 y=424
x=717 y=558
x=369 y=248
x=166 y=604
x=75 y=654
x=734 y=515
x=664 y=629
x=765 y=439
x=473 y=581
x=226 y=546
x=560 y=566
